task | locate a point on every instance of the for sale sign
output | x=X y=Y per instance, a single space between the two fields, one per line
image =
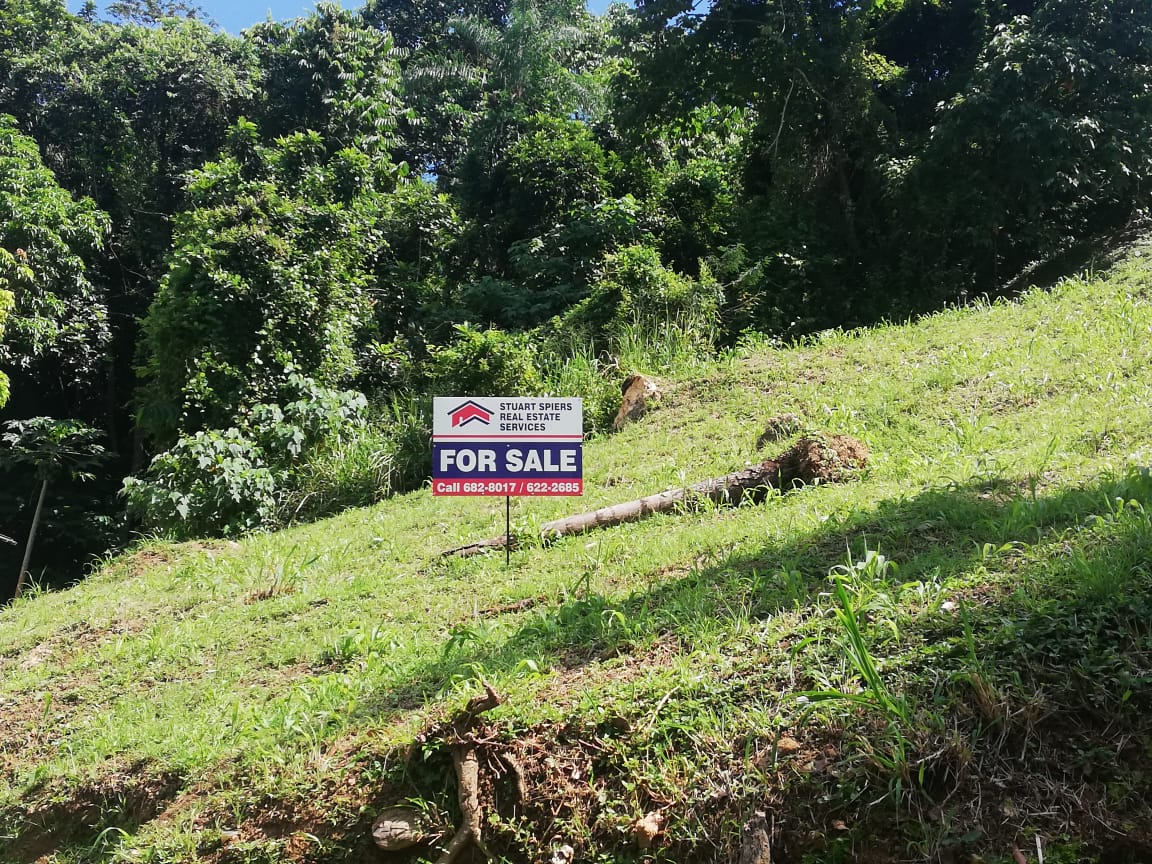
x=499 y=445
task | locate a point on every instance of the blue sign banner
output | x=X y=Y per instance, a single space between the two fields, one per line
x=505 y=460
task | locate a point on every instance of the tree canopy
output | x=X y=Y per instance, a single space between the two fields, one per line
x=57 y=330
x=404 y=198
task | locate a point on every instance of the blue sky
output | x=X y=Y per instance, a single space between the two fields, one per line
x=235 y=15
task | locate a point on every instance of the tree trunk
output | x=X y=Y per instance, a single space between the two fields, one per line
x=31 y=538
x=817 y=458
x=729 y=489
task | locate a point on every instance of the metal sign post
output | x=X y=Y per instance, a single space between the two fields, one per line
x=507 y=445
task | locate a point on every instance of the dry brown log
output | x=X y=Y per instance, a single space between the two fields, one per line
x=756 y=842
x=819 y=458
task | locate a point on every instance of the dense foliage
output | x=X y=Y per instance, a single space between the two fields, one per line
x=57 y=335
x=269 y=271
x=235 y=479
x=485 y=195
x=5 y=311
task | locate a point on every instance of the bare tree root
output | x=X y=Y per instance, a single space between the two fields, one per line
x=458 y=734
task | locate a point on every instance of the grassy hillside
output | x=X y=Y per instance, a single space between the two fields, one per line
x=987 y=626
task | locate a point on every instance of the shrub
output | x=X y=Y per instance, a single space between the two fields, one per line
x=212 y=482
x=269 y=272
x=385 y=455
x=699 y=201
x=645 y=313
x=316 y=416
x=484 y=362
x=265 y=468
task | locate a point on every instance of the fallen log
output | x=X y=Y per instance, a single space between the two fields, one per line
x=814 y=459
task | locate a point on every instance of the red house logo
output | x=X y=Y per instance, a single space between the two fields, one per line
x=464 y=414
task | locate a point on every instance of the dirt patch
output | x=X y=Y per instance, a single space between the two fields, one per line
x=79 y=638
x=32 y=720
x=338 y=812
x=37 y=656
x=155 y=557
x=268 y=592
x=583 y=791
x=124 y=798
x=777 y=428
x=510 y=608
x=822 y=458
x=147 y=559
x=994 y=396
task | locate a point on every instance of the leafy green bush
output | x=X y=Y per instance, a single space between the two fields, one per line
x=388 y=453
x=484 y=362
x=263 y=469
x=499 y=303
x=651 y=294
x=316 y=416
x=269 y=274
x=558 y=268
x=699 y=199
x=750 y=301
x=212 y=482
x=58 y=323
x=646 y=313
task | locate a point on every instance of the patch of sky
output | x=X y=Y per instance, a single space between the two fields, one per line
x=235 y=15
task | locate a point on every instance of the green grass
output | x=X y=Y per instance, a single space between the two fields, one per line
x=984 y=683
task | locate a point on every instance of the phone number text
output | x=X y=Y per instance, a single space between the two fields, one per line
x=508 y=487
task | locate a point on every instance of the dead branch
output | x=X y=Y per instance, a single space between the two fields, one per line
x=517 y=771
x=467 y=766
x=457 y=727
x=505 y=608
x=813 y=459
x=457 y=733
x=481 y=546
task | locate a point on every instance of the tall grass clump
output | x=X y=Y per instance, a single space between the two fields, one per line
x=574 y=369
x=354 y=471
x=407 y=420
x=643 y=315
x=678 y=343
x=852 y=583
